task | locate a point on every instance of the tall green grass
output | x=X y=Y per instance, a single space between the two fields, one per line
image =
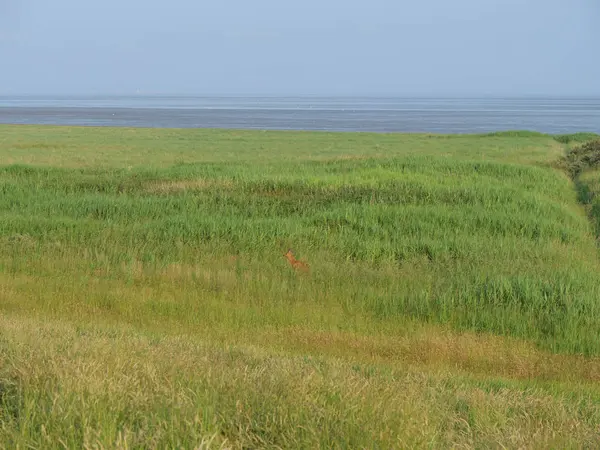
x=170 y=233
x=481 y=243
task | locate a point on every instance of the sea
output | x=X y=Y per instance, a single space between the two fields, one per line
x=553 y=115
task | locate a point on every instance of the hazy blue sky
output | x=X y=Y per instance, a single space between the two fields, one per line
x=417 y=47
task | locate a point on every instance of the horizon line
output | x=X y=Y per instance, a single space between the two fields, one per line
x=302 y=95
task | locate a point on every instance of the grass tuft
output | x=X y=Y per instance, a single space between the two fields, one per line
x=576 y=137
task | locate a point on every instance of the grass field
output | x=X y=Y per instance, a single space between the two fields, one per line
x=145 y=300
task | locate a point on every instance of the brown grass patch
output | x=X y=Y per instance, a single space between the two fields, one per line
x=484 y=354
x=24 y=240
x=172 y=187
x=38 y=146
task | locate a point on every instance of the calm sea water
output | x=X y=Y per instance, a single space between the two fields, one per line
x=436 y=115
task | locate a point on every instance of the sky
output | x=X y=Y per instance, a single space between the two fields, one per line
x=308 y=47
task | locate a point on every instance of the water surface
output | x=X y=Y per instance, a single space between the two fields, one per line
x=433 y=115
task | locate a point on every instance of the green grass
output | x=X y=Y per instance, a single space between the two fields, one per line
x=576 y=137
x=452 y=299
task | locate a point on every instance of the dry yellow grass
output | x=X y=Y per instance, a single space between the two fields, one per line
x=242 y=395
x=171 y=187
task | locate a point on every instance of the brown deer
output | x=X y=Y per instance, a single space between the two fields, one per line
x=297 y=265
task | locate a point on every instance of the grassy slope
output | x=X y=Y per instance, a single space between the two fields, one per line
x=145 y=298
